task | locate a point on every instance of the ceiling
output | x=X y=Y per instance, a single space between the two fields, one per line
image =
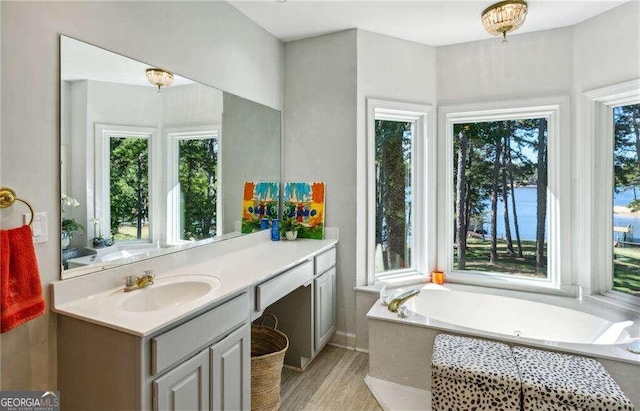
x=435 y=23
x=82 y=61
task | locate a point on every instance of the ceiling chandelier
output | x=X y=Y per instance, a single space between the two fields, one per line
x=159 y=77
x=504 y=17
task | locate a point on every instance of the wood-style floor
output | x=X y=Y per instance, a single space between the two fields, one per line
x=334 y=381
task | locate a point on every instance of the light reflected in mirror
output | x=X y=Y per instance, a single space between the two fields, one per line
x=147 y=170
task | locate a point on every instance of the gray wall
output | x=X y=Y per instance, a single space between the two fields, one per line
x=327 y=81
x=207 y=41
x=395 y=70
x=532 y=64
x=251 y=140
x=388 y=69
x=606 y=51
x=320 y=141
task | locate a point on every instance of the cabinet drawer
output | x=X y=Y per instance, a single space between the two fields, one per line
x=276 y=288
x=325 y=261
x=172 y=346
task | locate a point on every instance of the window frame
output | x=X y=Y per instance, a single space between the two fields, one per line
x=173 y=215
x=556 y=110
x=423 y=152
x=102 y=187
x=598 y=105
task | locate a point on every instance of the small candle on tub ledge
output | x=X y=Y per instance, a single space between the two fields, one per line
x=437 y=277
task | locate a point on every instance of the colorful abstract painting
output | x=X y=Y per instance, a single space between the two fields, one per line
x=260 y=200
x=305 y=203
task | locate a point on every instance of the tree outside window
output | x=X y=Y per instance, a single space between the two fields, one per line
x=626 y=201
x=198 y=177
x=393 y=201
x=500 y=197
x=129 y=187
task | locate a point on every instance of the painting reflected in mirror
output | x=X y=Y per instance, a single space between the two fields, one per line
x=152 y=164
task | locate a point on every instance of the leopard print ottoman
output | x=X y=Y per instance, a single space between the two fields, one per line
x=553 y=381
x=473 y=374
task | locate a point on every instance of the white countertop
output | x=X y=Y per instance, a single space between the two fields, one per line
x=236 y=270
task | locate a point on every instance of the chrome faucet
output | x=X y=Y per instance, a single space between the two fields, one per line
x=399 y=300
x=135 y=283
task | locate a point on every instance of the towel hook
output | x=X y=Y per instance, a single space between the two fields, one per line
x=8 y=197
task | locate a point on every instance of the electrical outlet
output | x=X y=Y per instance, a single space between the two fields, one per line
x=38 y=227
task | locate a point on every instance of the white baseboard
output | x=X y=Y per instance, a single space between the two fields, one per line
x=343 y=340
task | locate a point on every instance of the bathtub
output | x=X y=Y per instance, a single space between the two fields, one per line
x=400 y=348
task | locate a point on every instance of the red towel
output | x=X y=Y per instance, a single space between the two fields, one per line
x=20 y=290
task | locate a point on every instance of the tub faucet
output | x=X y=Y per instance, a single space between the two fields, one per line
x=399 y=300
x=135 y=283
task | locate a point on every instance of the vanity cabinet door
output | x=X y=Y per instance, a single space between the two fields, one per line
x=325 y=295
x=186 y=387
x=231 y=371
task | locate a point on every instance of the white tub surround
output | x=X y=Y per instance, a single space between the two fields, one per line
x=241 y=263
x=400 y=349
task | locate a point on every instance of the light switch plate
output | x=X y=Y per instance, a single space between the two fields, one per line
x=38 y=227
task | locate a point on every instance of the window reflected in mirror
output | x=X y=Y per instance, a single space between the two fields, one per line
x=198 y=177
x=129 y=188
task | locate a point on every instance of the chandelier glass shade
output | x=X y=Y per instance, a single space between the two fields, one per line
x=504 y=17
x=159 y=77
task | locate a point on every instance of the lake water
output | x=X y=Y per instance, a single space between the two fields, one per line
x=526 y=203
x=623 y=199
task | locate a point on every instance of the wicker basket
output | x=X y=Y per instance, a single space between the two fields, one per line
x=268 y=346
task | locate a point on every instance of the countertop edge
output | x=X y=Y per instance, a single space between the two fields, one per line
x=72 y=309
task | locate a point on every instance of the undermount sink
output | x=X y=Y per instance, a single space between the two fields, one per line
x=161 y=296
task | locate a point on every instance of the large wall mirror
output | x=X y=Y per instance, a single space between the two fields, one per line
x=148 y=169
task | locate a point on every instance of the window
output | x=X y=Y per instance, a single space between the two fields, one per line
x=129 y=187
x=500 y=196
x=194 y=184
x=611 y=126
x=122 y=183
x=397 y=133
x=394 y=196
x=504 y=196
x=626 y=201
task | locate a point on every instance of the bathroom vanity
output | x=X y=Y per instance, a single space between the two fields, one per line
x=184 y=342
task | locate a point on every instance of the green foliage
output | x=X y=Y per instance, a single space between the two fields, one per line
x=198 y=169
x=478 y=254
x=315 y=233
x=289 y=224
x=634 y=206
x=626 y=270
x=626 y=161
x=197 y=175
x=498 y=156
x=129 y=182
x=393 y=188
x=70 y=225
x=250 y=226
